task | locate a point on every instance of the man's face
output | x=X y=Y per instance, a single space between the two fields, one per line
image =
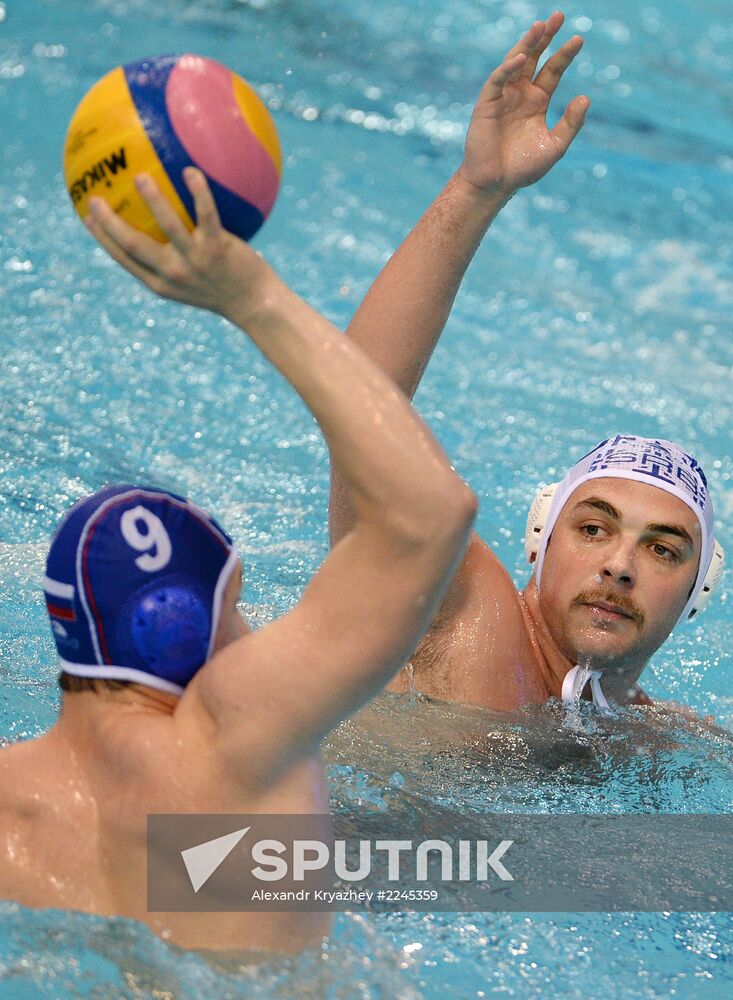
x=618 y=570
x=232 y=625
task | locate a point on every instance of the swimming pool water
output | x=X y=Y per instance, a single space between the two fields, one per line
x=600 y=302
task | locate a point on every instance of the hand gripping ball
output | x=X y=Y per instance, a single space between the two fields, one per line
x=158 y=116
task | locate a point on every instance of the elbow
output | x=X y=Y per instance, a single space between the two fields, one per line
x=470 y=503
x=458 y=509
x=440 y=519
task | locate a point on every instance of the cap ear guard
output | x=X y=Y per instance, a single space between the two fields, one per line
x=711 y=581
x=537 y=519
x=169 y=629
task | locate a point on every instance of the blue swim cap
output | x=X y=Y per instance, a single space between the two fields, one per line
x=134 y=583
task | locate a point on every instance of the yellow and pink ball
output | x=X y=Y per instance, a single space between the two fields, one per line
x=160 y=115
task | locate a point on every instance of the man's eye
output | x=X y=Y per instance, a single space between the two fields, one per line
x=664 y=553
x=591 y=530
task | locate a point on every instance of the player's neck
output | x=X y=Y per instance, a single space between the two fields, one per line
x=81 y=710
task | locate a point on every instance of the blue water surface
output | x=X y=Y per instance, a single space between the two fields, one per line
x=600 y=302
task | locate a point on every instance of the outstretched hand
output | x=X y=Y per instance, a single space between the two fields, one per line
x=209 y=267
x=508 y=145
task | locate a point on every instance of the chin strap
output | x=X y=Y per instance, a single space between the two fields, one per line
x=575 y=683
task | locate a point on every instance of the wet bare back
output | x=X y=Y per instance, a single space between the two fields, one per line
x=74 y=816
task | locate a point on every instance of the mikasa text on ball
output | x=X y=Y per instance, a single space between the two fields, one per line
x=160 y=115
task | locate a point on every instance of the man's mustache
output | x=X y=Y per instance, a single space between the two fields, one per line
x=620 y=601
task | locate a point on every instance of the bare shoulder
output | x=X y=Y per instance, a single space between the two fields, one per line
x=45 y=768
x=34 y=782
x=19 y=761
x=164 y=756
x=478 y=636
x=482 y=592
x=15 y=761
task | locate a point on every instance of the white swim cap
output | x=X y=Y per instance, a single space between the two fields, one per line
x=662 y=464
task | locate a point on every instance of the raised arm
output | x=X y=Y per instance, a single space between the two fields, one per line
x=270 y=696
x=508 y=146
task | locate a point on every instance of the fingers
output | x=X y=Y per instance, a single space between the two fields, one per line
x=115 y=234
x=571 y=122
x=207 y=215
x=168 y=269
x=163 y=213
x=97 y=224
x=551 y=73
x=528 y=41
x=509 y=71
x=514 y=62
x=552 y=25
x=530 y=47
